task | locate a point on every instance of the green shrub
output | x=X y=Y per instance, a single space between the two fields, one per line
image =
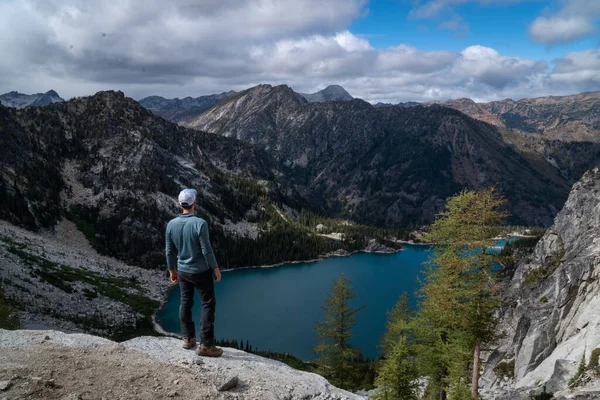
x=580 y=370
x=550 y=265
x=594 y=364
x=543 y=396
x=90 y=294
x=54 y=280
x=505 y=369
x=8 y=316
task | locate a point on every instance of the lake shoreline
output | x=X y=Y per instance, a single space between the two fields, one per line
x=337 y=253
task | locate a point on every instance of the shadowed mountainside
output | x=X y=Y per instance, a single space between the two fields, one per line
x=389 y=165
x=114 y=168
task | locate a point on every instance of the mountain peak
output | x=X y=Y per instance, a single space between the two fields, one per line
x=21 y=100
x=330 y=93
x=265 y=94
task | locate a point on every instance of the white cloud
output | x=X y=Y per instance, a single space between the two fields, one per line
x=457 y=25
x=409 y=59
x=186 y=47
x=575 y=20
x=581 y=70
x=487 y=66
x=559 y=29
x=432 y=8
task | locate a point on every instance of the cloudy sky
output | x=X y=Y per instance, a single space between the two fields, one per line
x=379 y=50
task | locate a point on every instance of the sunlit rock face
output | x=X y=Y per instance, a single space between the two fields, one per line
x=552 y=317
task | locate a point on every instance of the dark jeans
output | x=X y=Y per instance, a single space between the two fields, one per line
x=206 y=287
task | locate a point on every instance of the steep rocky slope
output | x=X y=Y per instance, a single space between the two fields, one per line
x=390 y=165
x=551 y=319
x=570 y=158
x=50 y=364
x=55 y=279
x=568 y=118
x=20 y=100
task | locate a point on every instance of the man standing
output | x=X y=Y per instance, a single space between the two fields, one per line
x=192 y=263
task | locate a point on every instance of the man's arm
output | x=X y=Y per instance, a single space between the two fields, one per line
x=171 y=254
x=208 y=251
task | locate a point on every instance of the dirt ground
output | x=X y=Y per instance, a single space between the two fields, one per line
x=108 y=372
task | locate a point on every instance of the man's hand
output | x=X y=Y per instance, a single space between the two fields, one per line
x=217 y=275
x=173 y=276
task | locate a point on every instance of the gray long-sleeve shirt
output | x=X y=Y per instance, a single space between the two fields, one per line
x=188 y=245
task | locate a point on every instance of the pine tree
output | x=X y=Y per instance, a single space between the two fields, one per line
x=398 y=376
x=397 y=323
x=333 y=334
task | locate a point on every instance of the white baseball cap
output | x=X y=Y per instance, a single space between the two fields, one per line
x=187 y=197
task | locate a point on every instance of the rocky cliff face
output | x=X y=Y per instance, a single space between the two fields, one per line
x=390 y=165
x=20 y=100
x=552 y=317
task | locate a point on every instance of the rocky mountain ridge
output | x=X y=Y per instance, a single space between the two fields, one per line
x=551 y=316
x=566 y=118
x=187 y=109
x=20 y=100
x=179 y=109
x=389 y=165
x=401 y=104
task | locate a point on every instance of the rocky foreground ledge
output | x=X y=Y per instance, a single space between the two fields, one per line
x=56 y=365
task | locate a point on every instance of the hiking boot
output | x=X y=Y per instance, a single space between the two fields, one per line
x=209 y=351
x=189 y=343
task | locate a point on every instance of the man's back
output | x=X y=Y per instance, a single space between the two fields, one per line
x=188 y=244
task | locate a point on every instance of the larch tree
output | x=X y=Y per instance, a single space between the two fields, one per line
x=459 y=297
x=398 y=377
x=397 y=323
x=335 y=331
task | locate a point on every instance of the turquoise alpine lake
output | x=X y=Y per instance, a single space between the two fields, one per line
x=277 y=308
